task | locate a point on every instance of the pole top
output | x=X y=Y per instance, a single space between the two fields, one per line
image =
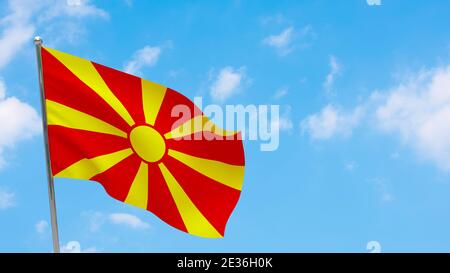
x=38 y=40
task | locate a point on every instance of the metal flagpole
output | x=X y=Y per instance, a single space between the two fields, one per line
x=51 y=188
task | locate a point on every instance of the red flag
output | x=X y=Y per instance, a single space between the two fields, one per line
x=117 y=129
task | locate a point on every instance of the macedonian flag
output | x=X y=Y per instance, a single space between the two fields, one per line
x=119 y=130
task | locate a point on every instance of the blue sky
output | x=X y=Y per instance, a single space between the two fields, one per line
x=364 y=95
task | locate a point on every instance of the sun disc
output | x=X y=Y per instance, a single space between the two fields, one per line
x=147 y=143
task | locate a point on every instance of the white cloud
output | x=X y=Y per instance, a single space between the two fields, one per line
x=282 y=41
x=11 y=41
x=128 y=220
x=335 y=70
x=41 y=226
x=62 y=21
x=97 y=219
x=331 y=121
x=16 y=30
x=147 y=56
x=7 y=199
x=373 y=2
x=25 y=124
x=75 y=247
x=78 y=8
x=50 y=9
x=281 y=92
x=289 y=39
x=228 y=82
x=418 y=111
x=24 y=17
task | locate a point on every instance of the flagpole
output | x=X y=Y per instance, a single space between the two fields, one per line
x=51 y=187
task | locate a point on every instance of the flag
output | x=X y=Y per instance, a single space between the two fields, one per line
x=119 y=130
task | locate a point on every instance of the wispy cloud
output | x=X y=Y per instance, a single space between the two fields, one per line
x=331 y=121
x=373 y=2
x=63 y=21
x=335 y=70
x=7 y=199
x=418 y=111
x=80 y=8
x=98 y=219
x=128 y=220
x=16 y=30
x=147 y=56
x=25 y=17
x=41 y=226
x=289 y=39
x=228 y=82
x=282 y=41
x=281 y=92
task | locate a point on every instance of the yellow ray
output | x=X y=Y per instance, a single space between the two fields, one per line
x=152 y=97
x=227 y=174
x=59 y=114
x=87 y=73
x=138 y=193
x=197 y=124
x=87 y=168
x=194 y=220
